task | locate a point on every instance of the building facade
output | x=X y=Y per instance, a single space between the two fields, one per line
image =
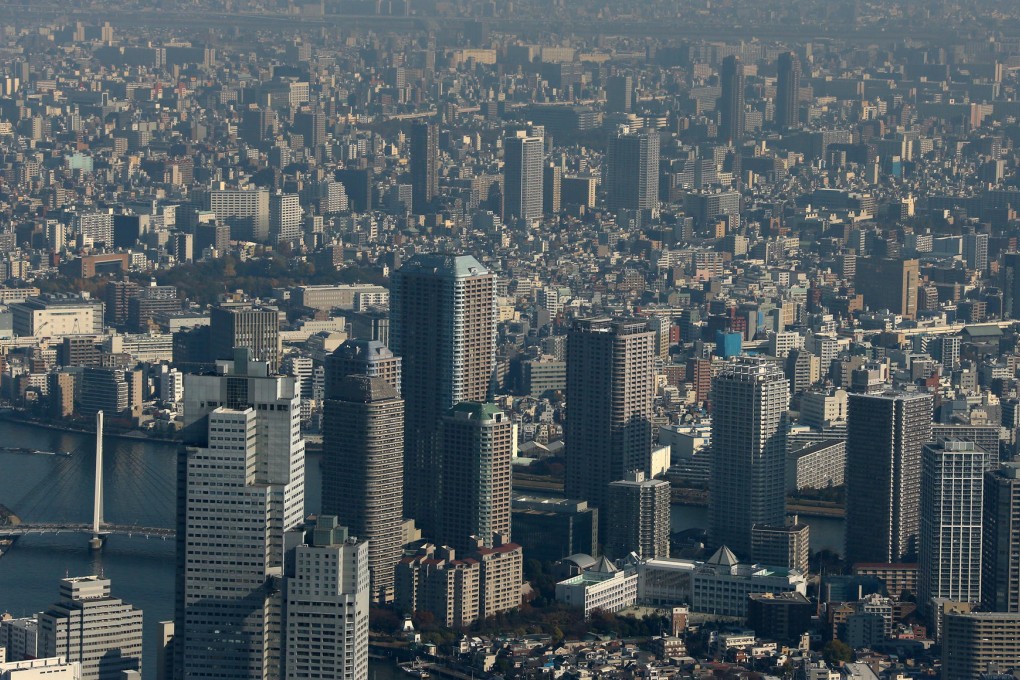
x=240 y=489
x=424 y=165
x=949 y=541
x=610 y=385
x=476 y=444
x=524 y=174
x=90 y=627
x=443 y=327
x=632 y=175
x=638 y=517
x=257 y=329
x=750 y=397
x=327 y=605
x=973 y=641
x=1000 y=570
x=885 y=433
x=362 y=473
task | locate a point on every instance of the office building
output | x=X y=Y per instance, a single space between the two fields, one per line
x=1000 y=569
x=977 y=643
x=610 y=385
x=888 y=284
x=731 y=101
x=750 y=397
x=632 y=175
x=424 y=165
x=443 y=327
x=619 y=94
x=245 y=210
x=327 y=605
x=1010 y=283
x=637 y=519
x=550 y=529
x=788 y=91
x=91 y=627
x=20 y=637
x=552 y=189
x=255 y=328
x=783 y=617
x=240 y=489
x=285 y=218
x=362 y=470
x=975 y=251
x=54 y=317
x=885 y=433
x=523 y=157
x=311 y=125
x=949 y=540
x=476 y=442
x=783 y=545
x=362 y=357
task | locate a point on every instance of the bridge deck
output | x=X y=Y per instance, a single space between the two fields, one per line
x=105 y=530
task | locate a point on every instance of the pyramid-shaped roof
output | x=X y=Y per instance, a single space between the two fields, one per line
x=723 y=557
x=605 y=566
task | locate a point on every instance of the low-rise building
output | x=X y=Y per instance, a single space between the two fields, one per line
x=604 y=586
x=973 y=641
x=49 y=668
x=816 y=466
x=721 y=585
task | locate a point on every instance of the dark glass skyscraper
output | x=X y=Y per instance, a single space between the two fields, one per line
x=362 y=470
x=731 y=103
x=885 y=433
x=633 y=174
x=788 y=90
x=1000 y=570
x=424 y=165
x=610 y=388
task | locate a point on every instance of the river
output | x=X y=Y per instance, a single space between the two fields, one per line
x=139 y=489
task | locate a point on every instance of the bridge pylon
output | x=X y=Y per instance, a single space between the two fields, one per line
x=96 y=543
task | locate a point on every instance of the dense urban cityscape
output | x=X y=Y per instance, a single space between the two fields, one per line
x=532 y=339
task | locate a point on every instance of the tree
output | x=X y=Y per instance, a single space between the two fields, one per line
x=836 y=651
